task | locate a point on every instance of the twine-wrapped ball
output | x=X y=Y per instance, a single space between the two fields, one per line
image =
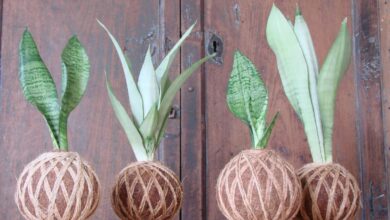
x=57 y=185
x=147 y=191
x=330 y=192
x=258 y=185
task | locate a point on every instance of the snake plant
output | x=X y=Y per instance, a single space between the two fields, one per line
x=247 y=99
x=310 y=90
x=150 y=99
x=40 y=90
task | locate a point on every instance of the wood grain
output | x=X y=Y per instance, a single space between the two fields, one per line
x=384 y=30
x=369 y=109
x=192 y=115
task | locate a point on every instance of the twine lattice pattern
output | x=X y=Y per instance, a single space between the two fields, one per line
x=147 y=190
x=57 y=185
x=258 y=185
x=330 y=192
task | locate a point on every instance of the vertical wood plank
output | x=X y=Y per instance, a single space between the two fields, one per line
x=241 y=25
x=192 y=115
x=384 y=28
x=169 y=151
x=94 y=131
x=369 y=108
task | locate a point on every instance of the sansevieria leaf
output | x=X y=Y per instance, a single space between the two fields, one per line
x=306 y=43
x=166 y=102
x=334 y=67
x=163 y=68
x=76 y=74
x=294 y=75
x=148 y=126
x=128 y=126
x=147 y=84
x=37 y=84
x=247 y=97
x=268 y=131
x=135 y=98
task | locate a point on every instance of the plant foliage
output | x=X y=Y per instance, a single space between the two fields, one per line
x=40 y=90
x=312 y=93
x=150 y=98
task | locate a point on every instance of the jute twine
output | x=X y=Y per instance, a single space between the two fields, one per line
x=330 y=192
x=147 y=190
x=57 y=185
x=258 y=185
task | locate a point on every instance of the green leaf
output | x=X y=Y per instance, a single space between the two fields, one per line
x=37 y=84
x=133 y=92
x=306 y=43
x=163 y=68
x=166 y=103
x=76 y=74
x=128 y=126
x=267 y=134
x=294 y=76
x=148 y=126
x=147 y=84
x=333 y=69
x=247 y=97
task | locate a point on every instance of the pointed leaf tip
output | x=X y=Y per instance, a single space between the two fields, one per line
x=298 y=10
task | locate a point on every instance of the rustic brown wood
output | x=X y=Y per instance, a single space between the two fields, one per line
x=384 y=28
x=169 y=151
x=192 y=116
x=369 y=109
x=241 y=25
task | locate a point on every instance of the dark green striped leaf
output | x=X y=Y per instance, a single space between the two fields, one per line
x=75 y=73
x=247 y=97
x=37 y=84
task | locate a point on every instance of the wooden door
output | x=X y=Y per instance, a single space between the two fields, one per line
x=202 y=135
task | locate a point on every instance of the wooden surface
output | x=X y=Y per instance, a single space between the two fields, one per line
x=202 y=134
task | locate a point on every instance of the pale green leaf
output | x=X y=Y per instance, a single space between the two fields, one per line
x=147 y=84
x=163 y=69
x=334 y=67
x=132 y=133
x=306 y=43
x=148 y=126
x=37 y=84
x=247 y=97
x=166 y=103
x=133 y=92
x=294 y=76
x=76 y=73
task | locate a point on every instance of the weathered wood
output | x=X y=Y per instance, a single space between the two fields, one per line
x=241 y=25
x=369 y=109
x=384 y=28
x=169 y=151
x=93 y=129
x=192 y=116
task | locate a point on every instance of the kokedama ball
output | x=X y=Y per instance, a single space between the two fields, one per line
x=258 y=185
x=146 y=191
x=330 y=192
x=57 y=185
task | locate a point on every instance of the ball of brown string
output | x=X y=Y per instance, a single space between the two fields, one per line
x=57 y=185
x=258 y=185
x=330 y=192
x=146 y=191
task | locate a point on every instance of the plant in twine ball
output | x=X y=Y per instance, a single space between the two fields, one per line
x=330 y=191
x=147 y=189
x=57 y=184
x=256 y=184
